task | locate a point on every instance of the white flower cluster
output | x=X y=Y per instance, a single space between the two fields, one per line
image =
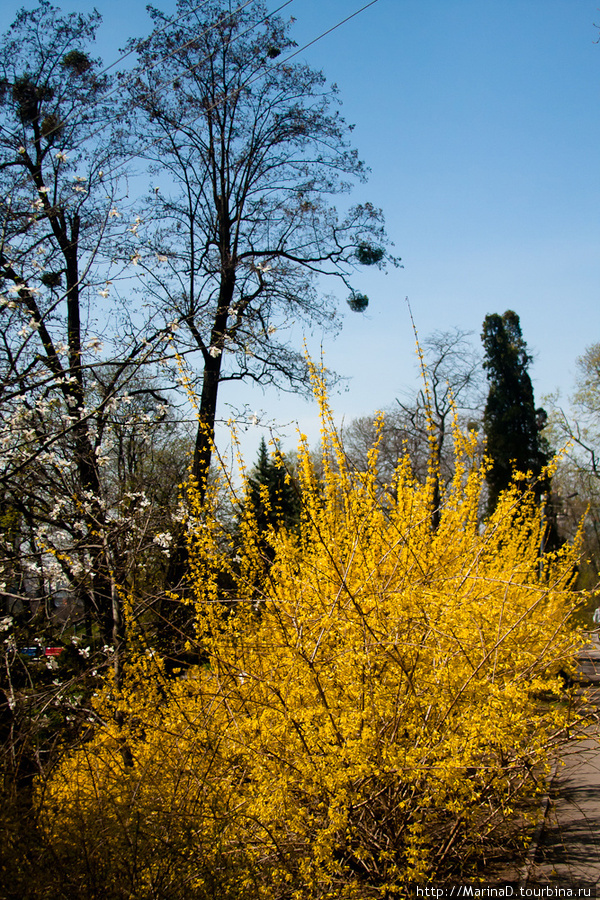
x=164 y=540
x=140 y=496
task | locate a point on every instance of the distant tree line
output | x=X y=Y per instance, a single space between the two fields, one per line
x=492 y=395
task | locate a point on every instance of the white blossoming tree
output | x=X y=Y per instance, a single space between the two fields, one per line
x=77 y=369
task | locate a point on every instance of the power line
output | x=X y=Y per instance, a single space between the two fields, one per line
x=255 y=78
x=166 y=84
x=226 y=97
x=138 y=46
x=158 y=62
x=330 y=30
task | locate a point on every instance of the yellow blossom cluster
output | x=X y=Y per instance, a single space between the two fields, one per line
x=369 y=713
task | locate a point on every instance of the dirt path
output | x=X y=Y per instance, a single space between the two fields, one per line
x=567 y=854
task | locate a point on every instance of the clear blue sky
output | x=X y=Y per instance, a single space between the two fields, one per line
x=480 y=121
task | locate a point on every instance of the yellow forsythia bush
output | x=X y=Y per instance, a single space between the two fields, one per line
x=369 y=714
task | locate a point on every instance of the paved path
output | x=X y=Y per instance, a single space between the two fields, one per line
x=568 y=852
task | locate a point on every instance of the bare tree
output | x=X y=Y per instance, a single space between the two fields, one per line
x=452 y=384
x=248 y=151
x=577 y=481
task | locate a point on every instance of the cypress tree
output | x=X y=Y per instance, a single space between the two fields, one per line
x=512 y=425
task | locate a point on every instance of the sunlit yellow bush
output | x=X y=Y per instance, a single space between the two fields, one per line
x=368 y=713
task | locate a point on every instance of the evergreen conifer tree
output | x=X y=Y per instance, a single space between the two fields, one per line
x=272 y=493
x=512 y=424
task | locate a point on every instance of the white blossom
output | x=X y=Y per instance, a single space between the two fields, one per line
x=214 y=352
x=163 y=540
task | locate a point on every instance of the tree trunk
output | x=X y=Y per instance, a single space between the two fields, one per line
x=205 y=434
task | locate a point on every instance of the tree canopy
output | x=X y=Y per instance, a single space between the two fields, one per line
x=250 y=150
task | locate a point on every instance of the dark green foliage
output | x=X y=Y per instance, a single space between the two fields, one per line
x=51 y=279
x=28 y=98
x=272 y=492
x=368 y=255
x=358 y=302
x=76 y=61
x=512 y=425
x=51 y=127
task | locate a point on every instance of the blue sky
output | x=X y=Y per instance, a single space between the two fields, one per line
x=480 y=121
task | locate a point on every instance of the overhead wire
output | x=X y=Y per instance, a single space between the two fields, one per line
x=330 y=30
x=186 y=44
x=166 y=84
x=253 y=79
x=226 y=97
x=140 y=45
